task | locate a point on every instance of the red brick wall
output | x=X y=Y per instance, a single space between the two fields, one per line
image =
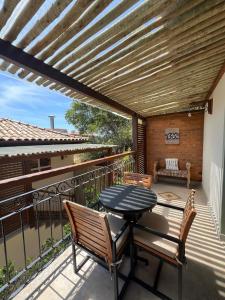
x=189 y=148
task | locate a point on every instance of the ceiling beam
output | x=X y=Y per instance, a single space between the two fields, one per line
x=215 y=82
x=24 y=60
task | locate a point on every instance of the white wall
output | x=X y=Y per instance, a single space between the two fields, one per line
x=213 y=152
x=57 y=162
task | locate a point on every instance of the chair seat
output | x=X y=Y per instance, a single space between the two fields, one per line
x=115 y=224
x=154 y=243
x=173 y=173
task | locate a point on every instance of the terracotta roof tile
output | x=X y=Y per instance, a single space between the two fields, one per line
x=11 y=130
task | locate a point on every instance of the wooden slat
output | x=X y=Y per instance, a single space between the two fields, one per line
x=95 y=9
x=41 y=24
x=176 y=66
x=104 y=21
x=92 y=246
x=94 y=239
x=6 y=11
x=24 y=17
x=75 y=12
x=116 y=53
x=176 y=47
x=120 y=30
x=91 y=229
x=146 y=66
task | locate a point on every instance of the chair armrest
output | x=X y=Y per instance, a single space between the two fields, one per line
x=118 y=235
x=188 y=166
x=170 y=206
x=156 y=163
x=160 y=234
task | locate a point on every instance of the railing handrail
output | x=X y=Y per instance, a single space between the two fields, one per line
x=29 y=178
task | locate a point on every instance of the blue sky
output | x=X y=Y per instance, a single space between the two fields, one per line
x=29 y=103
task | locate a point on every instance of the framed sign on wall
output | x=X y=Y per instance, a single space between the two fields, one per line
x=172 y=136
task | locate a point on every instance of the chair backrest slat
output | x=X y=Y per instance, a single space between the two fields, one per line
x=188 y=216
x=90 y=229
x=137 y=179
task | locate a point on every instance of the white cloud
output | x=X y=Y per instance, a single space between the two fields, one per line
x=27 y=102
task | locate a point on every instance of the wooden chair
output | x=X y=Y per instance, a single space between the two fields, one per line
x=104 y=237
x=165 y=238
x=138 y=179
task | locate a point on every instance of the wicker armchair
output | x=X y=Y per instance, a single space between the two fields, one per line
x=165 y=238
x=104 y=237
x=137 y=179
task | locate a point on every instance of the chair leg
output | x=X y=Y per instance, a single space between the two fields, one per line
x=155 y=286
x=188 y=182
x=115 y=283
x=74 y=258
x=180 y=283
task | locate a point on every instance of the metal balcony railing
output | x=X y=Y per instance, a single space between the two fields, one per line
x=34 y=227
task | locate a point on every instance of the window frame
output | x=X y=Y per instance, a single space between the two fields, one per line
x=40 y=168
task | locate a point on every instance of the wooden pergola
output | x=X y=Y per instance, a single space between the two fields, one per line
x=135 y=58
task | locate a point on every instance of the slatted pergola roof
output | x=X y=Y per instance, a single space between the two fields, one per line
x=147 y=56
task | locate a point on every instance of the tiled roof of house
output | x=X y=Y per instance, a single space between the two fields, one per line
x=14 y=131
x=36 y=151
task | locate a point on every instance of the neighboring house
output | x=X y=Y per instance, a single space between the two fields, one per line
x=25 y=149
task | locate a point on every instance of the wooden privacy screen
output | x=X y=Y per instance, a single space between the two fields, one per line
x=13 y=222
x=139 y=142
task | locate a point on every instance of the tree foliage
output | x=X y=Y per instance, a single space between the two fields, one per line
x=108 y=128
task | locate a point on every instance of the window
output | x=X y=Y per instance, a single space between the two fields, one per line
x=41 y=164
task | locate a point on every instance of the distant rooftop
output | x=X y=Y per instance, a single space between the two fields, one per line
x=36 y=151
x=18 y=133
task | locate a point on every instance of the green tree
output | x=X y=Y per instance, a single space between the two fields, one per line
x=108 y=128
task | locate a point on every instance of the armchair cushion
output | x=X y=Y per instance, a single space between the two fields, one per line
x=115 y=225
x=154 y=243
x=172 y=164
x=173 y=173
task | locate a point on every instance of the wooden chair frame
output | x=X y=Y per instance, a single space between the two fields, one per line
x=188 y=175
x=112 y=265
x=143 y=180
x=181 y=259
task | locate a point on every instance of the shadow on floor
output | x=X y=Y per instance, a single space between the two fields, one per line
x=204 y=275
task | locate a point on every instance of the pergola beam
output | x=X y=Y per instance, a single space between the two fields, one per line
x=24 y=60
x=216 y=81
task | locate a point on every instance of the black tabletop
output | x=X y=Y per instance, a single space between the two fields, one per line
x=128 y=199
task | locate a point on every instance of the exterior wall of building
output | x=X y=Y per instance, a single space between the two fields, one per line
x=8 y=170
x=190 y=144
x=213 y=155
x=57 y=162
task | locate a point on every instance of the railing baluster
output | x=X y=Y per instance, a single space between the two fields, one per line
x=38 y=229
x=100 y=181
x=60 y=214
x=50 y=219
x=5 y=252
x=23 y=239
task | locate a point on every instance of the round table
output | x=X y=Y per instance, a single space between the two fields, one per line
x=128 y=199
x=131 y=201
